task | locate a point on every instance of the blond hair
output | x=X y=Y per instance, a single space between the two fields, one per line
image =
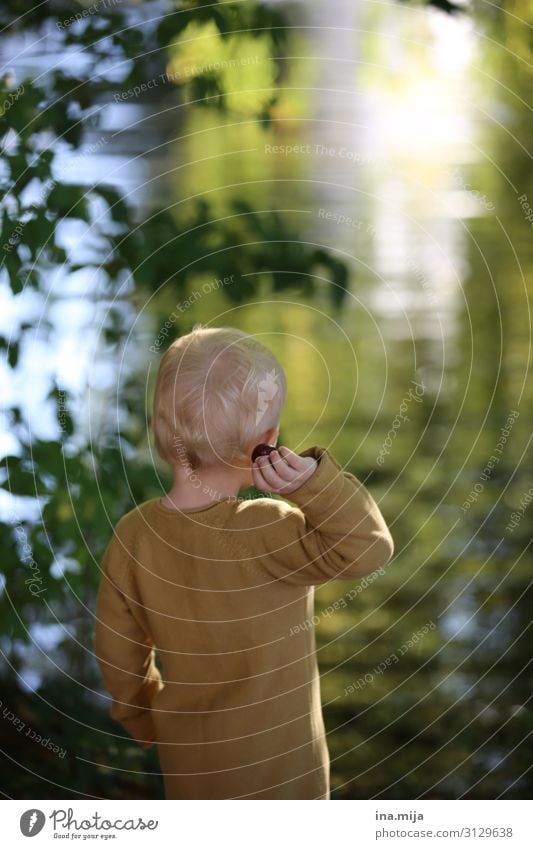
x=217 y=390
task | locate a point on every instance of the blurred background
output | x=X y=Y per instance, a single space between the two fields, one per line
x=351 y=182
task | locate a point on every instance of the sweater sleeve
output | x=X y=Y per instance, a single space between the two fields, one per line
x=125 y=653
x=335 y=531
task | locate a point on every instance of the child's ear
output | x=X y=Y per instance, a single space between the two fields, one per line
x=269 y=437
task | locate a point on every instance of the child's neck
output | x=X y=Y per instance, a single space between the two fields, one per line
x=201 y=487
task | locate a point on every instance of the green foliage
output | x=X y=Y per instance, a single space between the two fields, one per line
x=82 y=489
x=260 y=244
x=404 y=732
x=447 y=6
x=58 y=107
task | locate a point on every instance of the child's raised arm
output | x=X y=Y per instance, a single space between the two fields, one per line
x=337 y=531
x=125 y=653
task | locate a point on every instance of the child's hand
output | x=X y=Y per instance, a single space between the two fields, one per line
x=282 y=471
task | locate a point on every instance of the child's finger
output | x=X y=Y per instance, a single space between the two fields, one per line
x=294 y=460
x=258 y=479
x=269 y=473
x=281 y=466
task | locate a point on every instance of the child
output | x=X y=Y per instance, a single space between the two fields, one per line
x=219 y=585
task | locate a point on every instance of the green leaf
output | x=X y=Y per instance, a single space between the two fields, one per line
x=14 y=267
x=38 y=233
x=340 y=283
x=47 y=456
x=64 y=418
x=21 y=480
x=69 y=201
x=118 y=208
x=13 y=354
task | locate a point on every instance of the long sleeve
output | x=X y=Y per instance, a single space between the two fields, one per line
x=335 y=531
x=125 y=653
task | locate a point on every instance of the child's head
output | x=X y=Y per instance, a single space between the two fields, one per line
x=218 y=391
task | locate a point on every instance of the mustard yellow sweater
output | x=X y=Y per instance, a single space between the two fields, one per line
x=219 y=591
